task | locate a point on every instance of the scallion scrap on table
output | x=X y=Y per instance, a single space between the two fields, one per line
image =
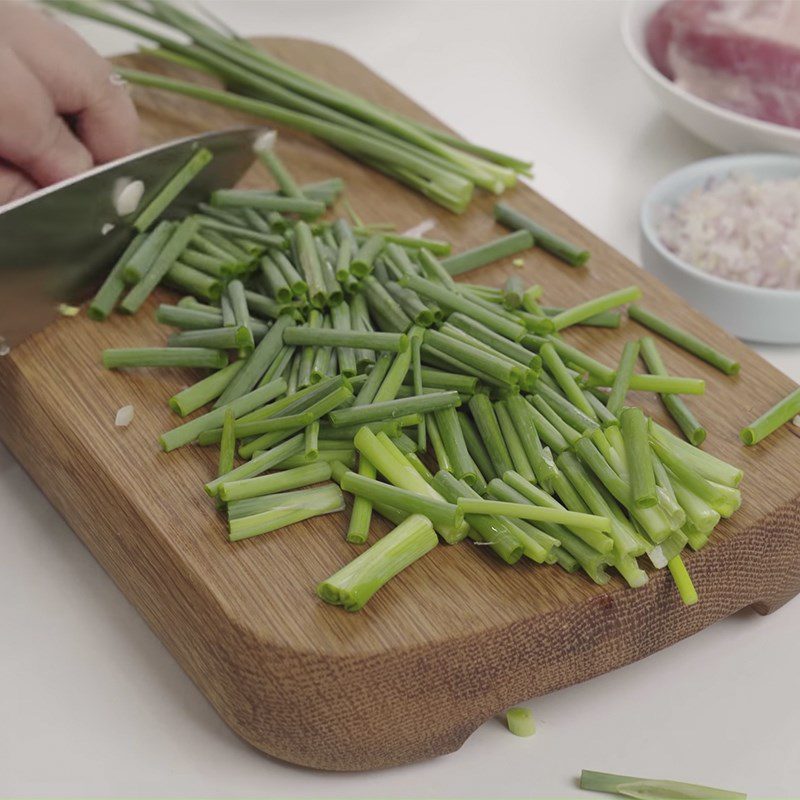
x=344 y=360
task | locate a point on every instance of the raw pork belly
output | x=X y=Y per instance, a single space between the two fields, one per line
x=740 y=54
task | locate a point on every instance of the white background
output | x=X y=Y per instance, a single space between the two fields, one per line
x=92 y=705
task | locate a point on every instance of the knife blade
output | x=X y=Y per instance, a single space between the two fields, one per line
x=56 y=243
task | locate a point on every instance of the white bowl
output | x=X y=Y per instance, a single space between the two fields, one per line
x=750 y=312
x=726 y=130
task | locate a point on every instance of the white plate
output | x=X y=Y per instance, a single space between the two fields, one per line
x=750 y=312
x=727 y=130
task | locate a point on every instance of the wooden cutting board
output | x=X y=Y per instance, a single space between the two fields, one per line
x=458 y=636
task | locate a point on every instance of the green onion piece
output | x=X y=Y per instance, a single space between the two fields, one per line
x=640 y=464
x=213 y=338
x=576 y=314
x=476 y=447
x=311 y=448
x=275 y=482
x=535 y=513
x=559 y=371
x=440 y=454
x=515 y=449
x=393 y=408
x=306 y=361
x=189 y=319
x=660 y=384
x=139 y=263
x=571 y=355
x=344 y=258
x=484 y=254
x=298 y=286
x=685 y=420
x=449 y=429
x=435 y=246
x=647 y=789
x=547 y=240
x=243 y=198
x=530 y=300
x=455 y=302
x=438 y=511
x=353 y=585
x=438 y=379
x=606 y=319
x=622 y=380
x=315 y=503
x=275 y=280
x=383 y=307
x=520 y=412
x=204 y=391
x=484 y=416
x=178 y=240
x=279 y=366
x=132 y=357
x=173 y=187
x=682 y=580
x=113 y=287
x=782 y=412
x=520 y=721
x=189 y=431
x=412 y=306
x=310 y=264
x=416 y=369
x=329 y=337
x=495 y=341
x=374 y=380
x=227 y=447
x=270 y=159
x=361 y=515
x=347 y=455
x=684 y=339
x=573 y=416
x=257 y=362
x=394 y=378
x=513 y=291
x=364 y=259
x=217 y=231
x=499 y=368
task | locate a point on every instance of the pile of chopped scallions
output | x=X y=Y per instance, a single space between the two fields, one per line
x=433 y=162
x=453 y=410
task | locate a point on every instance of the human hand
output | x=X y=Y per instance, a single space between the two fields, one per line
x=60 y=111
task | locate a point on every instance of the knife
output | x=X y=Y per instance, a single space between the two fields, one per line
x=57 y=243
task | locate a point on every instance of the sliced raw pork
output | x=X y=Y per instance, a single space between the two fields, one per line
x=743 y=55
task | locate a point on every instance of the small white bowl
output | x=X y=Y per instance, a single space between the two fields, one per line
x=750 y=312
x=726 y=130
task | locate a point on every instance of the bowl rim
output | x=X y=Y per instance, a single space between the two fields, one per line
x=630 y=15
x=702 y=170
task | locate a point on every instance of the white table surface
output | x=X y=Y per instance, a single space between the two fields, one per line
x=92 y=705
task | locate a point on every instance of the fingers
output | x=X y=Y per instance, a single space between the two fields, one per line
x=33 y=137
x=13 y=184
x=79 y=83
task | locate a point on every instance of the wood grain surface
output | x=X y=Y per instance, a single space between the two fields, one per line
x=458 y=636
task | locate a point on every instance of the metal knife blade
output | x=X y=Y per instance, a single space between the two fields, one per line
x=53 y=248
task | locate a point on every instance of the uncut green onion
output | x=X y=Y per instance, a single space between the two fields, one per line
x=484 y=416
x=781 y=413
x=558 y=370
x=543 y=238
x=353 y=585
x=684 y=339
x=275 y=482
x=213 y=338
x=677 y=409
x=484 y=254
x=577 y=314
x=257 y=362
x=519 y=457
x=314 y=504
x=622 y=380
x=160 y=267
x=174 y=186
x=439 y=512
x=329 y=337
x=391 y=409
x=189 y=431
x=364 y=259
x=204 y=391
x=633 y=424
x=133 y=357
x=259 y=463
x=647 y=789
x=491 y=530
x=455 y=302
x=520 y=721
x=113 y=286
x=242 y=198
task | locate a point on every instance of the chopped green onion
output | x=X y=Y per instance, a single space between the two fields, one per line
x=275 y=482
x=579 y=313
x=647 y=789
x=520 y=721
x=484 y=254
x=204 y=391
x=781 y=413
x=132 y=357
x=113 y=287
x=622 y=380
x=535 y=513
x=376 y=411
x=640 y=464
x=329 y=337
